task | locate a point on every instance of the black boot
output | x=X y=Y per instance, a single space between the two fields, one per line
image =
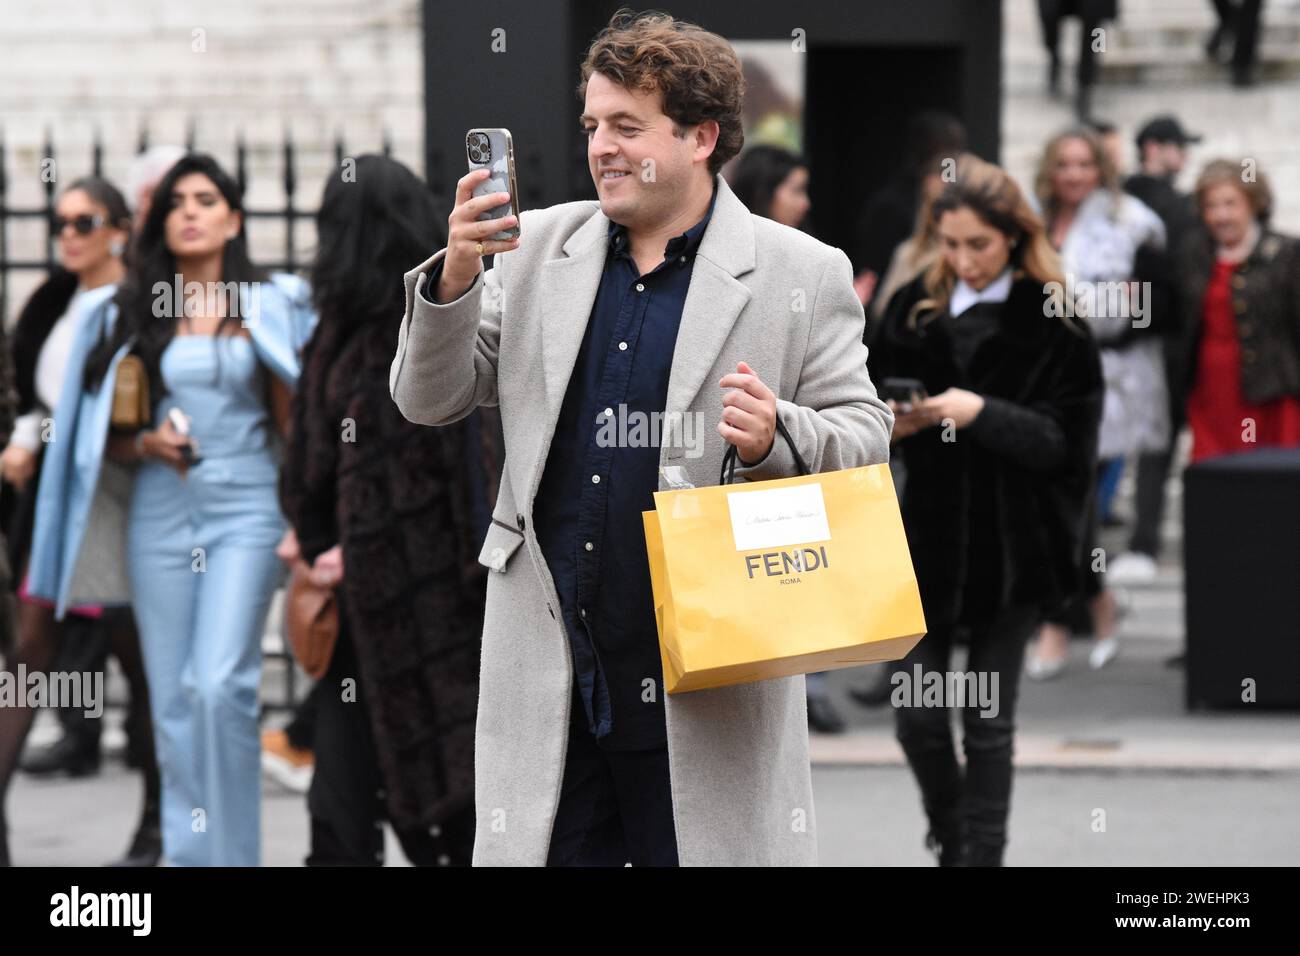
x=984 y=854
x=66 y=755
x=927 y=742
x=947 y=843
x=1222 y=39
x=146 y=845
x=1083 y=104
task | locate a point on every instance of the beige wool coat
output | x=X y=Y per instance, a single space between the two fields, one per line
x=760 y=293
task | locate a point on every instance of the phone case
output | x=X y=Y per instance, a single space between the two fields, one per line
x=495 y=150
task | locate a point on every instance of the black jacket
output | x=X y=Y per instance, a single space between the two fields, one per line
x=397 y=496
x=1035 y=442
x=1266 y=299
x=1159 y=267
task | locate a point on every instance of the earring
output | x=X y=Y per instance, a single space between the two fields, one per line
x=116 y=248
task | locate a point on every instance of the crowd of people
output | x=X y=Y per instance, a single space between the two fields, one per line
x=1009 y=348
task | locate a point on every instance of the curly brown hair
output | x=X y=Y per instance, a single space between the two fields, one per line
x=697 y=73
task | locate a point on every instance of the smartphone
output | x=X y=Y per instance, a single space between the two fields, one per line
x=904 y=391
x=493 y=149
x=181 y=422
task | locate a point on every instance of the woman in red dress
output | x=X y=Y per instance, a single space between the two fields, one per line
x=1243 y=334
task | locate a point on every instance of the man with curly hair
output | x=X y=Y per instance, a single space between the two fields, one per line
x=666 y=298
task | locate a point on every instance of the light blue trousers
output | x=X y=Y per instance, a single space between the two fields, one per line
x=201 y=554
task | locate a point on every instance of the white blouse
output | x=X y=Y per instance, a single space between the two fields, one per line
x=50 y=367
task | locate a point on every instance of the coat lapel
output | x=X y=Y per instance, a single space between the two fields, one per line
x=715 y=299
x=568 y=291
x=568 y=286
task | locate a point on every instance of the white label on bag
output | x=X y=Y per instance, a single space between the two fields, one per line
x=778 y=517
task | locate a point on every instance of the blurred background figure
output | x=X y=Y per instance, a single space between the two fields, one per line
x=92 y=224
x=994 y=519
x=1240 y=345
x=185 y=516
x=1162 y=150
x=1091 y=14
x=1104 y=236
x=914 y=254
x=772 y=182
x=386 y=512
x=889 y=215
x=1236 y=37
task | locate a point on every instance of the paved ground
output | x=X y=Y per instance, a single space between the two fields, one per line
x=1176 y=788
x=866 y=816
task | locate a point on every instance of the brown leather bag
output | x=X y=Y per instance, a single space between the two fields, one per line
x=130 y=395
x=311 y=616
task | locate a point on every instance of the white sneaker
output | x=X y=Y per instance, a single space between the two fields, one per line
x=1103 y=652
x=1036 y=668
x=1131 y=567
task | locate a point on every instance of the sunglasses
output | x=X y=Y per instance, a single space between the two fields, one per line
x=84 y=225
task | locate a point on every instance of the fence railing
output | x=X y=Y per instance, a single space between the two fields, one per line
x=289 y=213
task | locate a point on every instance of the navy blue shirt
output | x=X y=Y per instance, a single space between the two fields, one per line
x=587 y=513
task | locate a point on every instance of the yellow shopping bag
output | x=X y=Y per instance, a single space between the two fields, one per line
x=774 y=578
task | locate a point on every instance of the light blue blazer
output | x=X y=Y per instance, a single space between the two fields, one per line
x=280 y=319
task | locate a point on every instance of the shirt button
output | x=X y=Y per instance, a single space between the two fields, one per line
x=595 y=479
x=640 y=287
x=582 y=613
x=622 y=346
x=588 y=545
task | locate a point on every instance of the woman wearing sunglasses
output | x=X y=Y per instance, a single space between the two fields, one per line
x=191 y=533
x=91 y=226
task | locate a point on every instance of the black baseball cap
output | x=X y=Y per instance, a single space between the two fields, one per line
x=1166 y=129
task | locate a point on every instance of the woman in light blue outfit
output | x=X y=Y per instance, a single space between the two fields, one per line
x=187 y=523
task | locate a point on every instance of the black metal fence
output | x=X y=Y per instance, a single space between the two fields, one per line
x=289 y=213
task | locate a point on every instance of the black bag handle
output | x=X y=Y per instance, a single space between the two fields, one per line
x=732 y=456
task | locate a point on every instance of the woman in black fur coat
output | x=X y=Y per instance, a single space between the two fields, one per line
x=999 y=461
x=386 y=511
